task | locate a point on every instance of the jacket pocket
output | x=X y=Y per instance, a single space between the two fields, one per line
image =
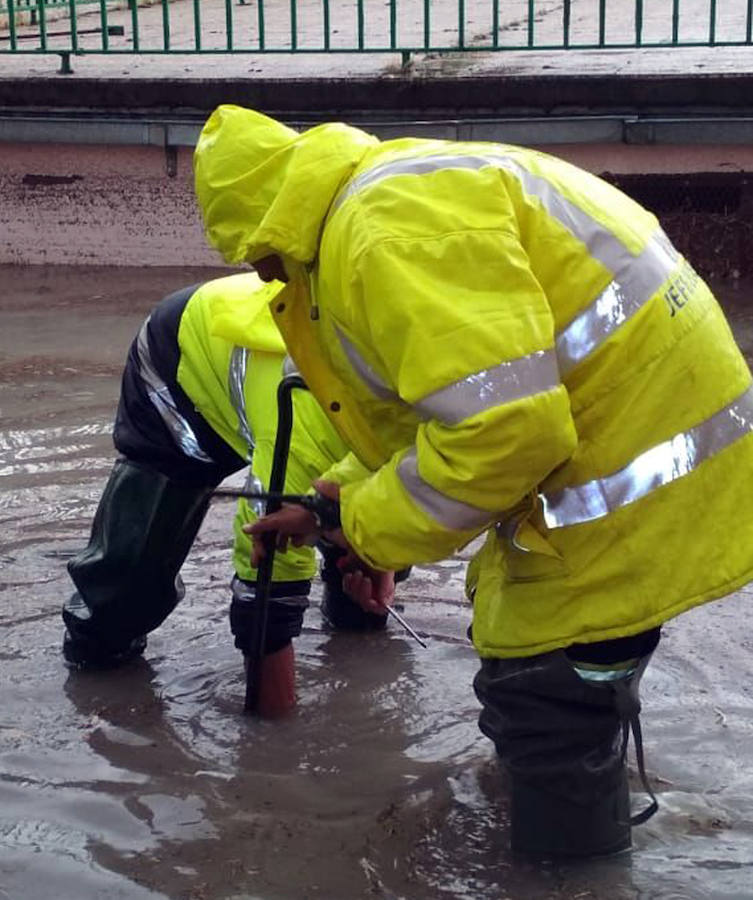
x=527 y=554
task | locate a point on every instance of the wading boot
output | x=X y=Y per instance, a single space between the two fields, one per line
x=127 y=577
x=84 y=654
x=562 y=739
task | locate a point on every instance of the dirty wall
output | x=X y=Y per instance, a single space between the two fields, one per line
x=67 y=204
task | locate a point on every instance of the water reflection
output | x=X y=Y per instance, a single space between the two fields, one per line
x=149 y=782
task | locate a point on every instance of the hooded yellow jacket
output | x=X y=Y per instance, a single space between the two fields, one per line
x=510 y=345
x=231 y=362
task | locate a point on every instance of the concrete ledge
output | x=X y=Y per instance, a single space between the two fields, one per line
x=399 y=95
x=144 y=128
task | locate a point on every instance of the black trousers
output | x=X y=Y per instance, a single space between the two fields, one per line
x=558 y=735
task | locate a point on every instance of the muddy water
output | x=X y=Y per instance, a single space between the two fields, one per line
x=148 y=782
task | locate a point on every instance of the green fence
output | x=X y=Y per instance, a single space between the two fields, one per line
x=403 y=27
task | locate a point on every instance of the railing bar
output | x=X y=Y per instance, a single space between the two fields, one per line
x=495 y=24
x=326 y=24
x=361 y=24
x=293 y=24
x=12 y=24
x=602 y=22
x=42 y=14
x=427 y=24
x=461 y=24
x=393 y=23
x=712 y=22
x=74 y=25
x=566 y=23
x=135 y=24
x=230 y=37
x=165 y=24
x=103 y=22
x=260 y=20
x=749 y=23
x=531 y=22
x=197 y=24
x=675 y=21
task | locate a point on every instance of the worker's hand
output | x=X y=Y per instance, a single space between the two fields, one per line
x=372 y=589
x=294 y=524
x=331 y=490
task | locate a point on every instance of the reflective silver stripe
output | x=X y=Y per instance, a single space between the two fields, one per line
x=605 y=675
x=369 y=377
x=451 y=514
x=508 y=381
x=245 y=592
x=421 y=165
x=638 y=279
x=164 y=403
x=253 y=485
x=660 y=465
x=482 y=390
x=236 y=384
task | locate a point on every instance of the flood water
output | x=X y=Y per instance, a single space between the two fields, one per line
x=148 y=782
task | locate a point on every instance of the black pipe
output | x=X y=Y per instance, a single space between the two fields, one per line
x=264 y=572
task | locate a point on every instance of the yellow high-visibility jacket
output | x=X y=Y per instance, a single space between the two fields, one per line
x=231 y=361
x=510 y=345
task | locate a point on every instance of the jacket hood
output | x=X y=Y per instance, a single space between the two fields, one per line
x=264 y=188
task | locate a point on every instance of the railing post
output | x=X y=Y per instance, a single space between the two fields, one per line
x=12 y=24
x=65 y=63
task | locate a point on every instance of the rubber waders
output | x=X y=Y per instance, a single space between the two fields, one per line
x=563 y=740
x=127 y=577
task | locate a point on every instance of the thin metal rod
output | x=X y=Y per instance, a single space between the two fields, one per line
x=166 y=24
x=396 y=615
x=103 y=20
x=12 y=24
x=264 y=572
x=74 y=25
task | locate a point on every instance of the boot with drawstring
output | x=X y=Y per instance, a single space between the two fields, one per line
x=562 y=740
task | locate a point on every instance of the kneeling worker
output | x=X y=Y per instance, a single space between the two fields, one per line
x=198 y=402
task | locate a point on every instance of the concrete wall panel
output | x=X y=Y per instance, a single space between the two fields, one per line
x=133 y=205
x=95 y=205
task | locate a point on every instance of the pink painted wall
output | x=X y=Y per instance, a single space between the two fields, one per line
x=105 y=205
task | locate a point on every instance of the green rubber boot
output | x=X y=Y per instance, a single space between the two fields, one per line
x=127 y=577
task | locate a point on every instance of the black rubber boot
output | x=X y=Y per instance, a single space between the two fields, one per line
x=86 y=654
x=562 y=740
x=127 y=577
x=544 y=824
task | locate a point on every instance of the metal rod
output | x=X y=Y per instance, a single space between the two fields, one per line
x=264 y=572
x=197 y=24
x=396 y=615
x=74 y=25
x=12 y=24
x=135 y=23
x=166 y=24
x=103 y=20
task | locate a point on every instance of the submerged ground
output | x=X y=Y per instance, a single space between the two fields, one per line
x=149 y=782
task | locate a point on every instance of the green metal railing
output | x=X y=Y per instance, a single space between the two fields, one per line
x=404 y=27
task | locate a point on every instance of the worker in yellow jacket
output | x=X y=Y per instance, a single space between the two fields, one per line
x=512 y=346
x=198 y=402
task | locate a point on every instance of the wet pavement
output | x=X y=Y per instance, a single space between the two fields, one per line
x=149 y=782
